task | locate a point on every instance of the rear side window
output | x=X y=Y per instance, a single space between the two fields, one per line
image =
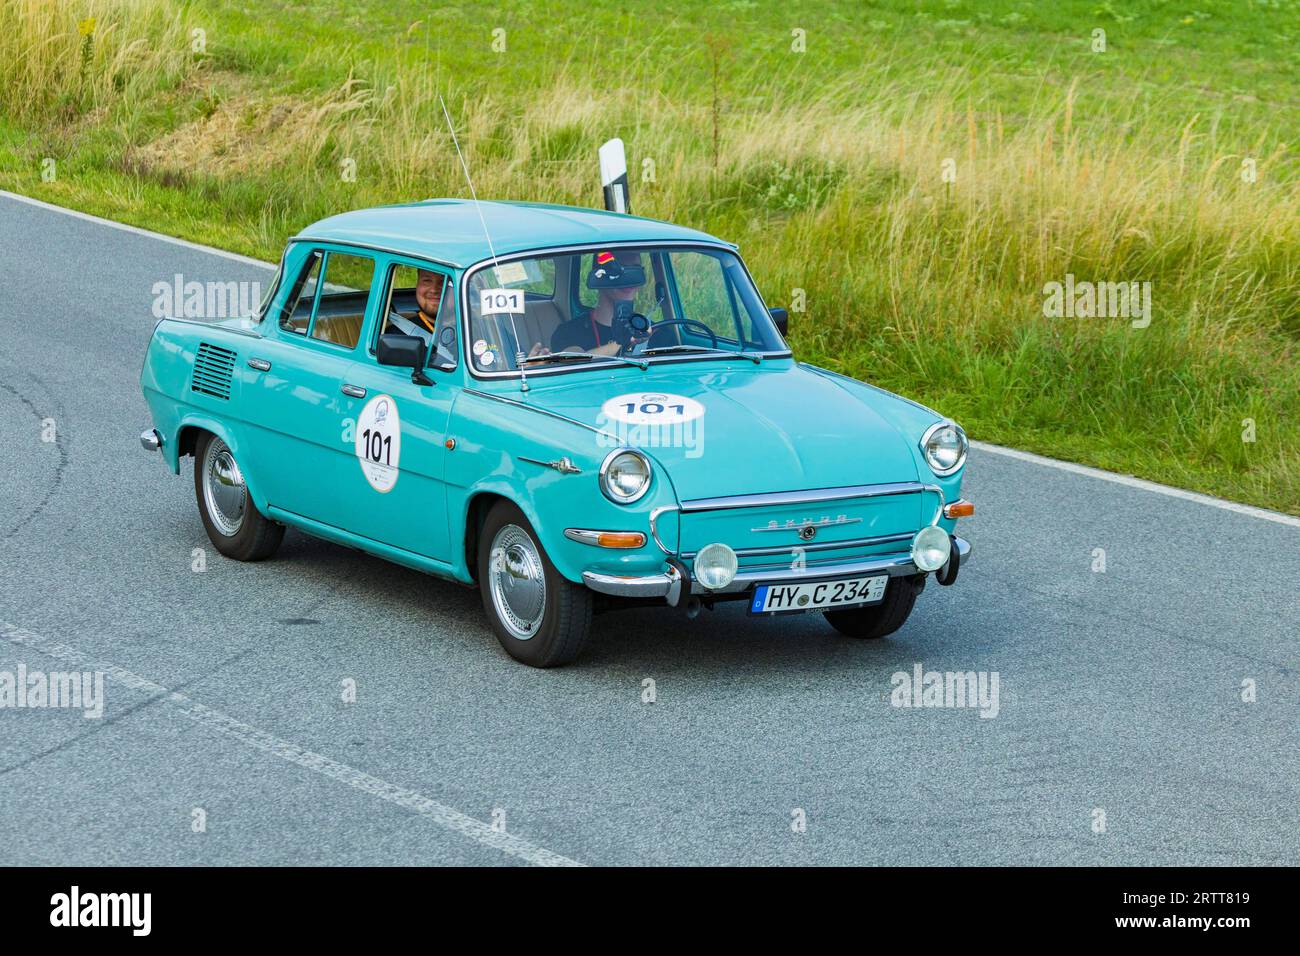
x=344 y=294
x=302 y=297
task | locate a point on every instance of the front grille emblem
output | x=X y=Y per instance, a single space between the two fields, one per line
x=807 y=527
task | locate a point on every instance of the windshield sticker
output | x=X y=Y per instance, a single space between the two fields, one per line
x=480 y=346
x=379 y=442
x=500 y=301
x=487 y=358
x=511 y=273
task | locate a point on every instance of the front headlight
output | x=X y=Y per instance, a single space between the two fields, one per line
x=945 y=446
x=625 y=475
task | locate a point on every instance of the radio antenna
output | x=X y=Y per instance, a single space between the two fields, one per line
x=514 y=329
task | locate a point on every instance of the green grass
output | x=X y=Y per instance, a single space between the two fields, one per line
x=1117 y=166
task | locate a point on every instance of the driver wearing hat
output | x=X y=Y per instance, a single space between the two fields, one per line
x=617 y=277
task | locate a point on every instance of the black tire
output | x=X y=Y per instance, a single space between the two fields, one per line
x=879 y=620
x=256 y=536
x=565 y=616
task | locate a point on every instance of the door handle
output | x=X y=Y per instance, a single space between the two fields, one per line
x=356 y=391
x=260 y=364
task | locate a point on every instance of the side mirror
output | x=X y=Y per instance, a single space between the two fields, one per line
x=782 y=319
x=404 y=351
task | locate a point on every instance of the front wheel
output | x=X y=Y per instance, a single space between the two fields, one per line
x=540 y=618
x=879 y=620
x=236 y=527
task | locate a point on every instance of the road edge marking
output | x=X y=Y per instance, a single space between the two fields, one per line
x=161 y=237
x=1140 y=483
x=250 y=736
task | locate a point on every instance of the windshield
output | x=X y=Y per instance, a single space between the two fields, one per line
x=608 y=305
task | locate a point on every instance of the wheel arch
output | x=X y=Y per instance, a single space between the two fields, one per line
x=190 y=432
x=478 y=503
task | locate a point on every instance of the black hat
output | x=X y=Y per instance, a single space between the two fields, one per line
x=615 y=272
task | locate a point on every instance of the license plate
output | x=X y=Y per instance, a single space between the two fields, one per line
x=817 y=595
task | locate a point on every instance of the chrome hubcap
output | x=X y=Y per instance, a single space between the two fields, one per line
x=223 y=488
x=517 y=580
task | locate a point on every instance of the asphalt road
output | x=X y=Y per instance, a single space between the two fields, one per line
x=1121 y=690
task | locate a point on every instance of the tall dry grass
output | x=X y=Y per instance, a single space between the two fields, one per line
x=64 y=58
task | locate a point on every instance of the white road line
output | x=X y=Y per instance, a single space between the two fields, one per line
x=1140 y=483
x=250 y=736
x=1129 y=480
x=211 y=250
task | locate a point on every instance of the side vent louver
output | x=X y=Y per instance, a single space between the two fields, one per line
x=213 y=368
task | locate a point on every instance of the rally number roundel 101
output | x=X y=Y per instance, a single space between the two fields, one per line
x=379 y=442
x=651 y=408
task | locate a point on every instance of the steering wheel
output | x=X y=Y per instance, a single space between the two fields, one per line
x=692 y=323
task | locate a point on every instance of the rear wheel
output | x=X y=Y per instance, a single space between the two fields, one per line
x=540 y=618
x=879 y=620
x=235 y=526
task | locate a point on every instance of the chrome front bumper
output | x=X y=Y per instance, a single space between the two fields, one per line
x=669 y=584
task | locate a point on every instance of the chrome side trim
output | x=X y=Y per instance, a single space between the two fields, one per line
x=564 y=466
x=541 y=411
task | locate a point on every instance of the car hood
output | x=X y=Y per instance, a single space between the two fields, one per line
x=758 y=428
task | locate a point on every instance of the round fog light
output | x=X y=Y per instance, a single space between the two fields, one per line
x=930 y=548
x=715 y=566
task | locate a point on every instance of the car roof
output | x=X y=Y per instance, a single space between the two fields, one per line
x=450 y=230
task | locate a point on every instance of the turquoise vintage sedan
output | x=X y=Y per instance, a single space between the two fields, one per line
x=572 y=410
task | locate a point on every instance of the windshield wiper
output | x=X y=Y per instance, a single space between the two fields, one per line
x=560 y=357
x=583 y=357
x=670 y=349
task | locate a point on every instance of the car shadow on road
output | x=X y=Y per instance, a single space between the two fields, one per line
x=726 y=640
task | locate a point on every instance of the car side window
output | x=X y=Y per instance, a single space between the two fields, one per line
x=421 y=302
x=296 y=316
x=345 y=291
